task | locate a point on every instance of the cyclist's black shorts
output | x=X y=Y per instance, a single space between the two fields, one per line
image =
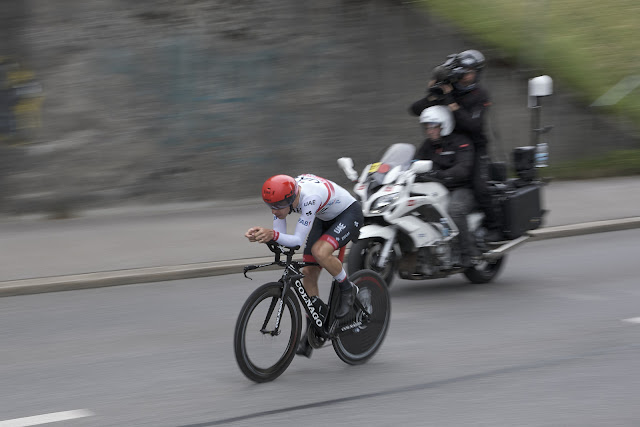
x=338 y=231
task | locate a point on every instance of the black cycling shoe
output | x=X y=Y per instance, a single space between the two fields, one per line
x=304 y=348
x=347 y=298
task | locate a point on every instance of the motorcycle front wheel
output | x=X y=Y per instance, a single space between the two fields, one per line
x=364 y=255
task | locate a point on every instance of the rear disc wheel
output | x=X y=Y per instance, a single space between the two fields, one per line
x=360 y=336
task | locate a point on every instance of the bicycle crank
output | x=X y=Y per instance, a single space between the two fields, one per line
x=315 y=339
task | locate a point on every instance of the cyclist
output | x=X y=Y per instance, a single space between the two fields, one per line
x=329 y=215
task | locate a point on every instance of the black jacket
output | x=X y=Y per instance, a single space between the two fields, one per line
x=469 y=117
x=452 y=159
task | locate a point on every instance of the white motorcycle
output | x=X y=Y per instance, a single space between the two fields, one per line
x=408 y=229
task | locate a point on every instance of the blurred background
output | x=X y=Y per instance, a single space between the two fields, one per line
x=112 y=102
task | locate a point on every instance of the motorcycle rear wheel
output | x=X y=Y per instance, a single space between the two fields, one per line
x=485 y=271
x=364 y=255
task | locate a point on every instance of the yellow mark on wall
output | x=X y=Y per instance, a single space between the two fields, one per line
x=25 y=92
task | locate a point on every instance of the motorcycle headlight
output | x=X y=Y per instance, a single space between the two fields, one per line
x=383 y=203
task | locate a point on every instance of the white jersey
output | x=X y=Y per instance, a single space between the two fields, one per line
x=319 y=198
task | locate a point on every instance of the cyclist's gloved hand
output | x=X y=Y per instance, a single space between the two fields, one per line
x=261 y=234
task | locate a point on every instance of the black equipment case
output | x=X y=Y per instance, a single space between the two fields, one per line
x=521 y=209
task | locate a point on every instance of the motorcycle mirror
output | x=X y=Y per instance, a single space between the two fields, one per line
x=346 y=164
x=421 y=166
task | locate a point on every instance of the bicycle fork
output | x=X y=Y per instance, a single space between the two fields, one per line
x=280 y=303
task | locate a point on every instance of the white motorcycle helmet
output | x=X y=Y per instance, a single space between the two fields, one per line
x=441 y=115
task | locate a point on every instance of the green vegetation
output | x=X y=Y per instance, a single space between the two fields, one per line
x=587 y=45
x=614 y=163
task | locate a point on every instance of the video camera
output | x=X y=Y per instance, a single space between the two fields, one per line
x=447 y=73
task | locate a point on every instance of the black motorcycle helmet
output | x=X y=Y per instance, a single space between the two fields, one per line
x=469 y=60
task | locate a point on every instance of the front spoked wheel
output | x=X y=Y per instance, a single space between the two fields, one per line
x=360 y=335
x=263 y=353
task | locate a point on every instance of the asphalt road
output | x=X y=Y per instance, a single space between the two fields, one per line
x=553 y=341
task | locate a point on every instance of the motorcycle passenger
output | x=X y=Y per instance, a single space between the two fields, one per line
x=452 y=155
x=330 y=217
x=455 y=84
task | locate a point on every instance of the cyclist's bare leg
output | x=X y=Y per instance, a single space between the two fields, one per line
x=310 y=279
x=322 y=251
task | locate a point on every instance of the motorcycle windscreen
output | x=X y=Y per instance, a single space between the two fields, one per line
x=396 y=155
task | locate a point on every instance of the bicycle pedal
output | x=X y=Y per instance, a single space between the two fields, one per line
x=305 y=349
x=364 y=298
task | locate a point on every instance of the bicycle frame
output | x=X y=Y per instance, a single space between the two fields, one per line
x=292 y=276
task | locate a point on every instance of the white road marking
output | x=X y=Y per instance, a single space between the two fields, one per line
x=630 y=320
x=623 y=88
x=46 y=418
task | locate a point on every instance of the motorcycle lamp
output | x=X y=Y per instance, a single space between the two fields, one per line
x=382 y=203
x=384 y=168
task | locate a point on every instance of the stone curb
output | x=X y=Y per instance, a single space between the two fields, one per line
x=217 y=268
x=585 y=228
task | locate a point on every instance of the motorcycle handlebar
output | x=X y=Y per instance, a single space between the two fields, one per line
x=427 y=177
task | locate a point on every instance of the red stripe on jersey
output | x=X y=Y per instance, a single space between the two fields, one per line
x=464 y=145
x=275 y=235
x=308 y=258
x=330 y=190
x=331 y=240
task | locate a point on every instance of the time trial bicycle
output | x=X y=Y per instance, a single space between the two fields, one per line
x=269 y=325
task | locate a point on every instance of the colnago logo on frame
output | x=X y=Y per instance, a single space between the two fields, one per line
x=308 y=303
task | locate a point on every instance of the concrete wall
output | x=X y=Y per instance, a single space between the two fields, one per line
x=184 y=100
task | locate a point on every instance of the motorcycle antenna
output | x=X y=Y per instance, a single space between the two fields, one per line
x=539 y=87
x=494 y=133
x=496 y=136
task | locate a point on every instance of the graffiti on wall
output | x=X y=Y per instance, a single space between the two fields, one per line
x=21 y=98
x=217 y=101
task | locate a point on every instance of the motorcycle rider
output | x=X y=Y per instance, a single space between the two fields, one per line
x=452 y=154
x=329 y=215
x=455 y=84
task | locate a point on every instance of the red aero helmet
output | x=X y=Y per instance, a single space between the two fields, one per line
x=279 y=191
